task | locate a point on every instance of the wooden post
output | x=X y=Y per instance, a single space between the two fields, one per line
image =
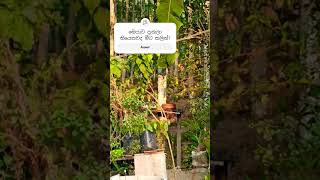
x=178 y=144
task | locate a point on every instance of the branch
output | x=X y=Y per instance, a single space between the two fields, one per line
x=193 y=35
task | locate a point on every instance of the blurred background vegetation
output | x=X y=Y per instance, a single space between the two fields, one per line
x=53 y=95
x=267 y=89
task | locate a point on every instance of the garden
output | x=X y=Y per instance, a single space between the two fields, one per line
x=160 y=102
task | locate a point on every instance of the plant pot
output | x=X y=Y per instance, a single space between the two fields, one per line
x=169 y=107
x=127 y=141
x=148 y=141
x=199 y=159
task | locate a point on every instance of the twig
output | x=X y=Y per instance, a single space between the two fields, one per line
x=152 y=114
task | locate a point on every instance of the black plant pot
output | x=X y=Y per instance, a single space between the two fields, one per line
x=148 y=141
x=127 y=141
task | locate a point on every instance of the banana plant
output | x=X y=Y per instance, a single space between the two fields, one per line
x=169 y=11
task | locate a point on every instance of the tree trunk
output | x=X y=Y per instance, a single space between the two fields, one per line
x=70 y=36
x=113 y=21
x=57 y=41
x=127 y=10
x=43 y=44
x=124 y=72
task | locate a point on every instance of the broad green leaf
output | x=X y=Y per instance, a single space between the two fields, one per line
x=143 y=69
x=138 y=61
x=91 y=5
x=149 y=68
x=162 y=62
x=115 y=70
x=167 y=59
x=101 y=19
x=149 y=57
x=171 y=58
x=170 y=11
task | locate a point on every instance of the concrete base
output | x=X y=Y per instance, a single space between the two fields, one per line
x=195 y=174
x=153 y=164
x=136 y=178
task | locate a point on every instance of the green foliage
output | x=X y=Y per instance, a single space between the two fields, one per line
x=293 y=142
x=134 y=147
x=91 y=5
x=134 y=124
x=166 y=60
x=170 y=11
x=160 y=127
x=116 y=153
x=199 y=124
x=101 y=20
x=187 y=158
x=68 y=130
x=144 y=64
x=16 y=27
x=116 y=66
